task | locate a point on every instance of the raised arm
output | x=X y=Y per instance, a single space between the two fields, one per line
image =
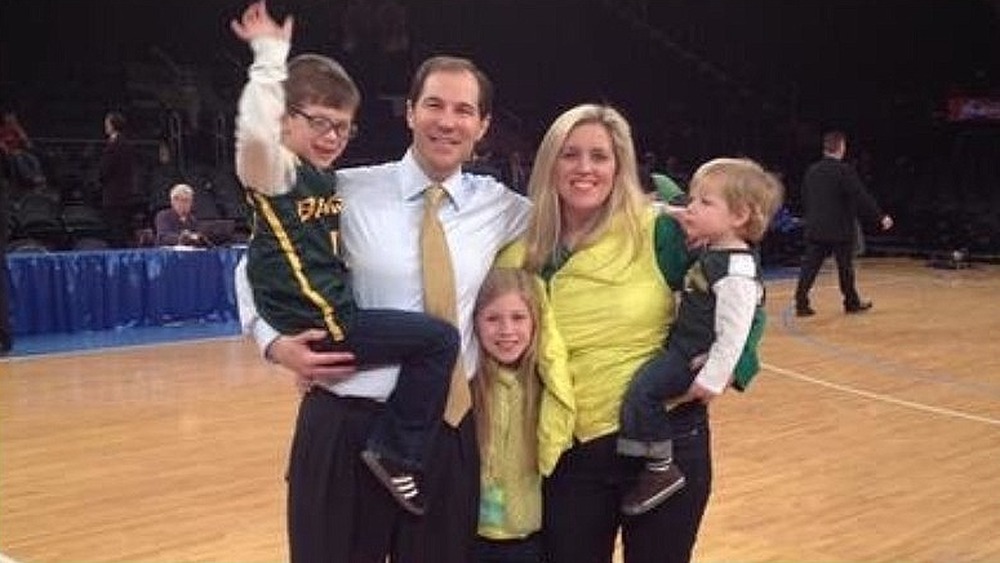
x=262 y=163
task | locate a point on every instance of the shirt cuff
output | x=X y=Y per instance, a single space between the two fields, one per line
x=264 y=335
x=270 y=54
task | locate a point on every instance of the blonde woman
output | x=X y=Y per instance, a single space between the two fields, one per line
x=609 y=263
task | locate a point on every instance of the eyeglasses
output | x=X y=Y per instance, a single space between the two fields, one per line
x=321 y=125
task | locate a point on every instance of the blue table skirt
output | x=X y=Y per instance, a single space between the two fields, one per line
x=105 y=289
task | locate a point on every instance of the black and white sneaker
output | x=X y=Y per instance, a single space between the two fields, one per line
x=401 y=483
x=654 y=485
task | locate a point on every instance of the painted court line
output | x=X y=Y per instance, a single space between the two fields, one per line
x=885 y=366
x=883 y=398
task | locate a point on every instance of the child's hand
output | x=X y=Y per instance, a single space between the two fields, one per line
x=256 y=22
x=698 y=393
x=680 y=214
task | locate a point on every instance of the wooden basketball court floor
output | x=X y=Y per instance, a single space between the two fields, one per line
x=873 y=437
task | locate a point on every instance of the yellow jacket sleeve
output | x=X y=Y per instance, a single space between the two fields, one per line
x=557 y=412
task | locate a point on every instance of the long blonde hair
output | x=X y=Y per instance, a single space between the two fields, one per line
x=625 y=201
x=500 y=282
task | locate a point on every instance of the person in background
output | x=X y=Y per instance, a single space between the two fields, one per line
x=675 y=170
x=15 y=145
x=732 y=201
x=658 y=187
x=610 y=264
x=834 y=200
x=517 y=173
x=506 y=393
x=667 y=191
x=647 y=165
x=338 y=511
x=483 y=163
x=116 y=176
x=177 y=225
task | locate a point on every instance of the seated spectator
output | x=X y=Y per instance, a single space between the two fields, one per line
x=24 y=167
x=177 y=225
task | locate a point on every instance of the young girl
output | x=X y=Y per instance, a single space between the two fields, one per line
x=505 y=398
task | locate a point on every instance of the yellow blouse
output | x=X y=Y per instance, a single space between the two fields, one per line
x=606 y=311
x=510 y=504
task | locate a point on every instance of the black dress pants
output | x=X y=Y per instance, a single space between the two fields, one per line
x=582 y=500
x=812 y=260
x=339 y=512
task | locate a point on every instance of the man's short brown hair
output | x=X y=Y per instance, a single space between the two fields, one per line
x=444 y=63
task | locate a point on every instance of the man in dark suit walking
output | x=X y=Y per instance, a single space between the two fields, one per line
x=834 y=198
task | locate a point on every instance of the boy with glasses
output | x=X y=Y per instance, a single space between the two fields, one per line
x=294 y=121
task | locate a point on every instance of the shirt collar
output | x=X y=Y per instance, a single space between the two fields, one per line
x=415 y=181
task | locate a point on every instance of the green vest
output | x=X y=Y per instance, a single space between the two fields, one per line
x=694 y=330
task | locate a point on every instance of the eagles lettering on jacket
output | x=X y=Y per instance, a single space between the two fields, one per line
x=296 y=267
x=317 y=207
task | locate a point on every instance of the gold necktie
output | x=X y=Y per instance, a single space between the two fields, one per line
x=439 y=294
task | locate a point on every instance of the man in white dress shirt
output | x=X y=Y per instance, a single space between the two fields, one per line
x=337 y=511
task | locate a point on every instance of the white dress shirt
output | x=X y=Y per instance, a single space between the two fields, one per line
x=383 y=206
